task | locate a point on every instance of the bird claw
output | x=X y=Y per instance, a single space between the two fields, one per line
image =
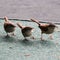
x=42 y=39
x=32 y=37
x=7 y=36
x=51 y=37
x=25 y=40
x=13 y=34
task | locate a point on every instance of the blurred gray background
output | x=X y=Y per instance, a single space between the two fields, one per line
x=46 y=10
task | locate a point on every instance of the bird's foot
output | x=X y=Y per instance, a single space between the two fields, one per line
x=26 y=40
x=13 y=34
x=32 y=37
x=7 y=36
x=51 y=37
x=42 y=39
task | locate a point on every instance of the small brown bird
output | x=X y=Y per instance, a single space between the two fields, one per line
x=45 y=28
x=26 y=31
x=9 y=27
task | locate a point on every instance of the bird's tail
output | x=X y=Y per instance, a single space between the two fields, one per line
x=35 y=21
x=20 y=25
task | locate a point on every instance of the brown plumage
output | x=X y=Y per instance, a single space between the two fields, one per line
x=45 y=28
x=9 y=27
x=26 y=31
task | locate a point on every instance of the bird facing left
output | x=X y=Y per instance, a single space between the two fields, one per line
x=26 y=30
x=9 y=26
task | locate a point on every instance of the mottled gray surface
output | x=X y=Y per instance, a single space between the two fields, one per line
x=47 y=10
x=15 y=48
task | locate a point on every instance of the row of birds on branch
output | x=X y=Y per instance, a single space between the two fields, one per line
x=9 y=27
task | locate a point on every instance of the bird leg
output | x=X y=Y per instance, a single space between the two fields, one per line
x=51 y=37
x=25 y=39
x=7 y=35
x=13 y=34
x=42 y=36
x=32 y=37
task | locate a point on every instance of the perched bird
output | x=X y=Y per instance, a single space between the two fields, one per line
x=26 y=31
x=9 y=26
x=45 y=28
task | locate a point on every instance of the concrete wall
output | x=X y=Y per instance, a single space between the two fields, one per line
x=47 y=10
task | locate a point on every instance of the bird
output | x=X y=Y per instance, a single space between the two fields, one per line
x=9 y=26
x=26 y=30
x=45 y=28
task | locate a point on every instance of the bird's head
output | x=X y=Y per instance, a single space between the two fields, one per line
x=20 y=25
x=36 y=21
x=6 y=19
